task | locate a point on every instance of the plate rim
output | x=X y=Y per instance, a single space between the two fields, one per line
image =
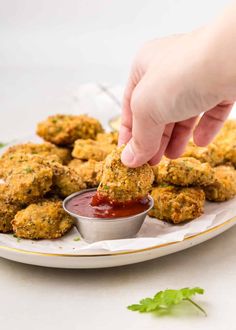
x=71 y=255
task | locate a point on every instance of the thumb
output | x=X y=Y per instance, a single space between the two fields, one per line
x=146 y=135
x=142 y=146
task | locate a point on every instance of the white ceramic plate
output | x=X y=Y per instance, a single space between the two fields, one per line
x=66 y=253
x=110 y=260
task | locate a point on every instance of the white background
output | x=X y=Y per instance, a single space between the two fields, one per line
x=48 y=48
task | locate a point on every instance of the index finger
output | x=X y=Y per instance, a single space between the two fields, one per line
x=125 y=131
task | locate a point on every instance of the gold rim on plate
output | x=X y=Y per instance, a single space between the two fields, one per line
x=232 y=220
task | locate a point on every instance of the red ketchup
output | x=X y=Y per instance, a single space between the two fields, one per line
x=89 y=204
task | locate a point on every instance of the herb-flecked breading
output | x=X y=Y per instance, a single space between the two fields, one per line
x=66 y=181
x=90 y=171
x=66 y=129
x=90 y=149
x=46 y=150
x=183 y=172
x=226 y=141
x=211 y=154
x=224 y=185
x=120 y=183
x=7 y=213
x=45 y=219
x=28 y=181
x=10 y=161
x=108 y=138
x=177 y=204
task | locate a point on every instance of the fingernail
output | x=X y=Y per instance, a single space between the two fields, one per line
x=127 y=156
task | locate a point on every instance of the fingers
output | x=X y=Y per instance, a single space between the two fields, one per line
x=125 y=131
x=145 y=141
x=210 y=124
x=180 y=136
x=163 y=145
x=146 y=132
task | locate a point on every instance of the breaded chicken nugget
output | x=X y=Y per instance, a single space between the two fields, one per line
x=43 y=220
x=183 y=171
x=64 y=154
x=65 y=129
x=228 y=145
x=226 y=141
x=108 y=138
x=177 y=204
x=75 y=163
x=224 y=185
x=226 y=132
x=48 y=150
x=210 y=154
x=120 y=183
x=90 y=171
x=66 y=181
x=7 y=213
x=13 y=158
x=28 y=181
x=90 y=149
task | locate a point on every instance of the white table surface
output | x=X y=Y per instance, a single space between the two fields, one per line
x=54 y=299
x=44 y=55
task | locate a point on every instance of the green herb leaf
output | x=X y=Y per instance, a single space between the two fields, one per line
x=2 y=145
x=17 y=238
x=164 y=300
x=76 y=239
x=28 y=169
x=105 y=187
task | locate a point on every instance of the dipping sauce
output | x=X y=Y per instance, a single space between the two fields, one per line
x=88 y=205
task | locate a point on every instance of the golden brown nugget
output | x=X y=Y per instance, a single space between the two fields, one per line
x=64 y=154
x=120 y=183
x=7 y=214
x=226 y=141
x=227 y=131
x=228 y=145
x=17 y=155
x=40 y=149
x=27 y=182
x=43 y=220
x=75 y=163
x=183 y=171
x=177 y=204
x=66 y=181
x=108 y=138
x=65 y=129
x=90 y=171
x=224 y=186
x=90 y=149
x=211 y=154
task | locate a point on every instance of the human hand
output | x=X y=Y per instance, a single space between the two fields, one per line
x=171 y=83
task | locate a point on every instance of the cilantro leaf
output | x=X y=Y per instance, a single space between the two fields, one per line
x=164 y=300
x=76 y=239
x=2 y=145
x=28 y=169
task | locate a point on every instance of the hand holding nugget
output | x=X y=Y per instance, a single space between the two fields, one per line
x=173 y=80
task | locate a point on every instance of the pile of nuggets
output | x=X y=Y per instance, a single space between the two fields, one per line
x=77 y=154
x=182 y=185
x=37 y=177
